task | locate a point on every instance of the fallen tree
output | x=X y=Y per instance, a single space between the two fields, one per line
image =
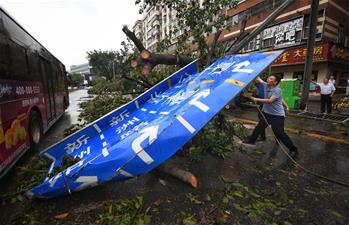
x=147 y=60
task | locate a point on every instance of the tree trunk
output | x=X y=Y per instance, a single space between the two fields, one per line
x=213 y=48
x=133 y=38
x=183 y=175
x=148 y=60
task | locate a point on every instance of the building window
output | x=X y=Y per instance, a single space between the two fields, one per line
x=341 y=37
x=252 y=45
x=267 y=43
x=306 y=26
x=233 y=20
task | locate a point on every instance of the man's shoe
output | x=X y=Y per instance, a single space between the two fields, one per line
x=248 y=142
x=294 y=154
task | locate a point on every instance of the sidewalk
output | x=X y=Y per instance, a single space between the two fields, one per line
x=314 y=103
x=294 y=123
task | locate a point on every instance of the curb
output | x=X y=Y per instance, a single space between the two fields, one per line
x=310 y=133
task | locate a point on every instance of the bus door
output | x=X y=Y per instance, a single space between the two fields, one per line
x=46 y=74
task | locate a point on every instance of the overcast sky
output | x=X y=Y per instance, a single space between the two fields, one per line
x=69 y=28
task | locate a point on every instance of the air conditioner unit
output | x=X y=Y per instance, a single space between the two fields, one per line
x=346 y=41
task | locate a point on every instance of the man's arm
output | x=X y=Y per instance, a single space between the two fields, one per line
x=259 y=80
x=275 y=95
x=333 y=90
x=285 y=104
x=264 y=100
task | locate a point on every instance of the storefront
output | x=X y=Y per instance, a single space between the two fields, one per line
x=328 y=60
x=339 y=65
x=291 y=63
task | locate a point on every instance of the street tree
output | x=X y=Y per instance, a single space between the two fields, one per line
x=102 y=63
x=75 y=79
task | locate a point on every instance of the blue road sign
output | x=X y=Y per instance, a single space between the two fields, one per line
x=142 y=134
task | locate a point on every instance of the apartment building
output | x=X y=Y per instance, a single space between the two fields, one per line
x=158 y=23
x=81 y=69
x=290 y=32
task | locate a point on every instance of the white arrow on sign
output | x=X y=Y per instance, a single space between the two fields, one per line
x=198 y=104
x=152 y=134
x=87 y=181
x=237 y=67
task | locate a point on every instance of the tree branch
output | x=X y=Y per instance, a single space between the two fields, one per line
x=145 y=81
x=133 y=38
x=213 y=47
x=148 y=60
x=137 y=81
x=242 y=34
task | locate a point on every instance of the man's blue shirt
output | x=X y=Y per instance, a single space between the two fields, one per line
x=276 y=108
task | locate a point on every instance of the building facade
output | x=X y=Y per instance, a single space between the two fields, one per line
x=81 y=69
x=290 y=32
x=158 y=23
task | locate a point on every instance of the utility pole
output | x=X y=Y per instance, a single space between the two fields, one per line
x=309 y=59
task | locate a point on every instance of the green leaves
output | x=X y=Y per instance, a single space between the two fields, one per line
x=130 y=211
x=100 y=106
x=254 y=205
x=216 y=138
x=102 y=62
x=194 y=199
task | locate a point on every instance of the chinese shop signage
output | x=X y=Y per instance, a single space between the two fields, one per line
x=339 y=54
x=298 y=55
x=284 y=33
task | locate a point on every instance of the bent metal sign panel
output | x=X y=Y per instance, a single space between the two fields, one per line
x=139 y=136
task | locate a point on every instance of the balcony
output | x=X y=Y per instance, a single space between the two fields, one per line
x=152 y=15
x=156 y=23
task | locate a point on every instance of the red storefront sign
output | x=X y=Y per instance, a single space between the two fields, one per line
x=339 y=53
x=298 y=55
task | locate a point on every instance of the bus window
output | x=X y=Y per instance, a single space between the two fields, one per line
x=19 y=65
x=2 y=27
x=4 y=60
x=34 y=69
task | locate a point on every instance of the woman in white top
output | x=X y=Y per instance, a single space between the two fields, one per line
x=332 y=80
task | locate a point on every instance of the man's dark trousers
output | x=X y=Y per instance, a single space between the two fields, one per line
x=326 y=100
x=260 y=117
x=277 y=124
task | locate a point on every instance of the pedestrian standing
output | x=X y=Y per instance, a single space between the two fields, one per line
x=327 y=90
x=274 y=115
x=332 y=81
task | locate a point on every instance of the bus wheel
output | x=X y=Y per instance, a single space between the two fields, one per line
x=35 y=128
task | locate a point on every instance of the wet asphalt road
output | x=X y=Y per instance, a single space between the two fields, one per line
x=70 y=117
x=264 y=167
x=54 y=134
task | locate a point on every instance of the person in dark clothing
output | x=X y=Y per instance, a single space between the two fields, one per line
x=261 y=92
x=274 y=113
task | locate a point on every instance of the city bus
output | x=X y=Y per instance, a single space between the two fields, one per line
x=33 y=91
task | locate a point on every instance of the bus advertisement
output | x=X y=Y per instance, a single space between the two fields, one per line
x=33 y=91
